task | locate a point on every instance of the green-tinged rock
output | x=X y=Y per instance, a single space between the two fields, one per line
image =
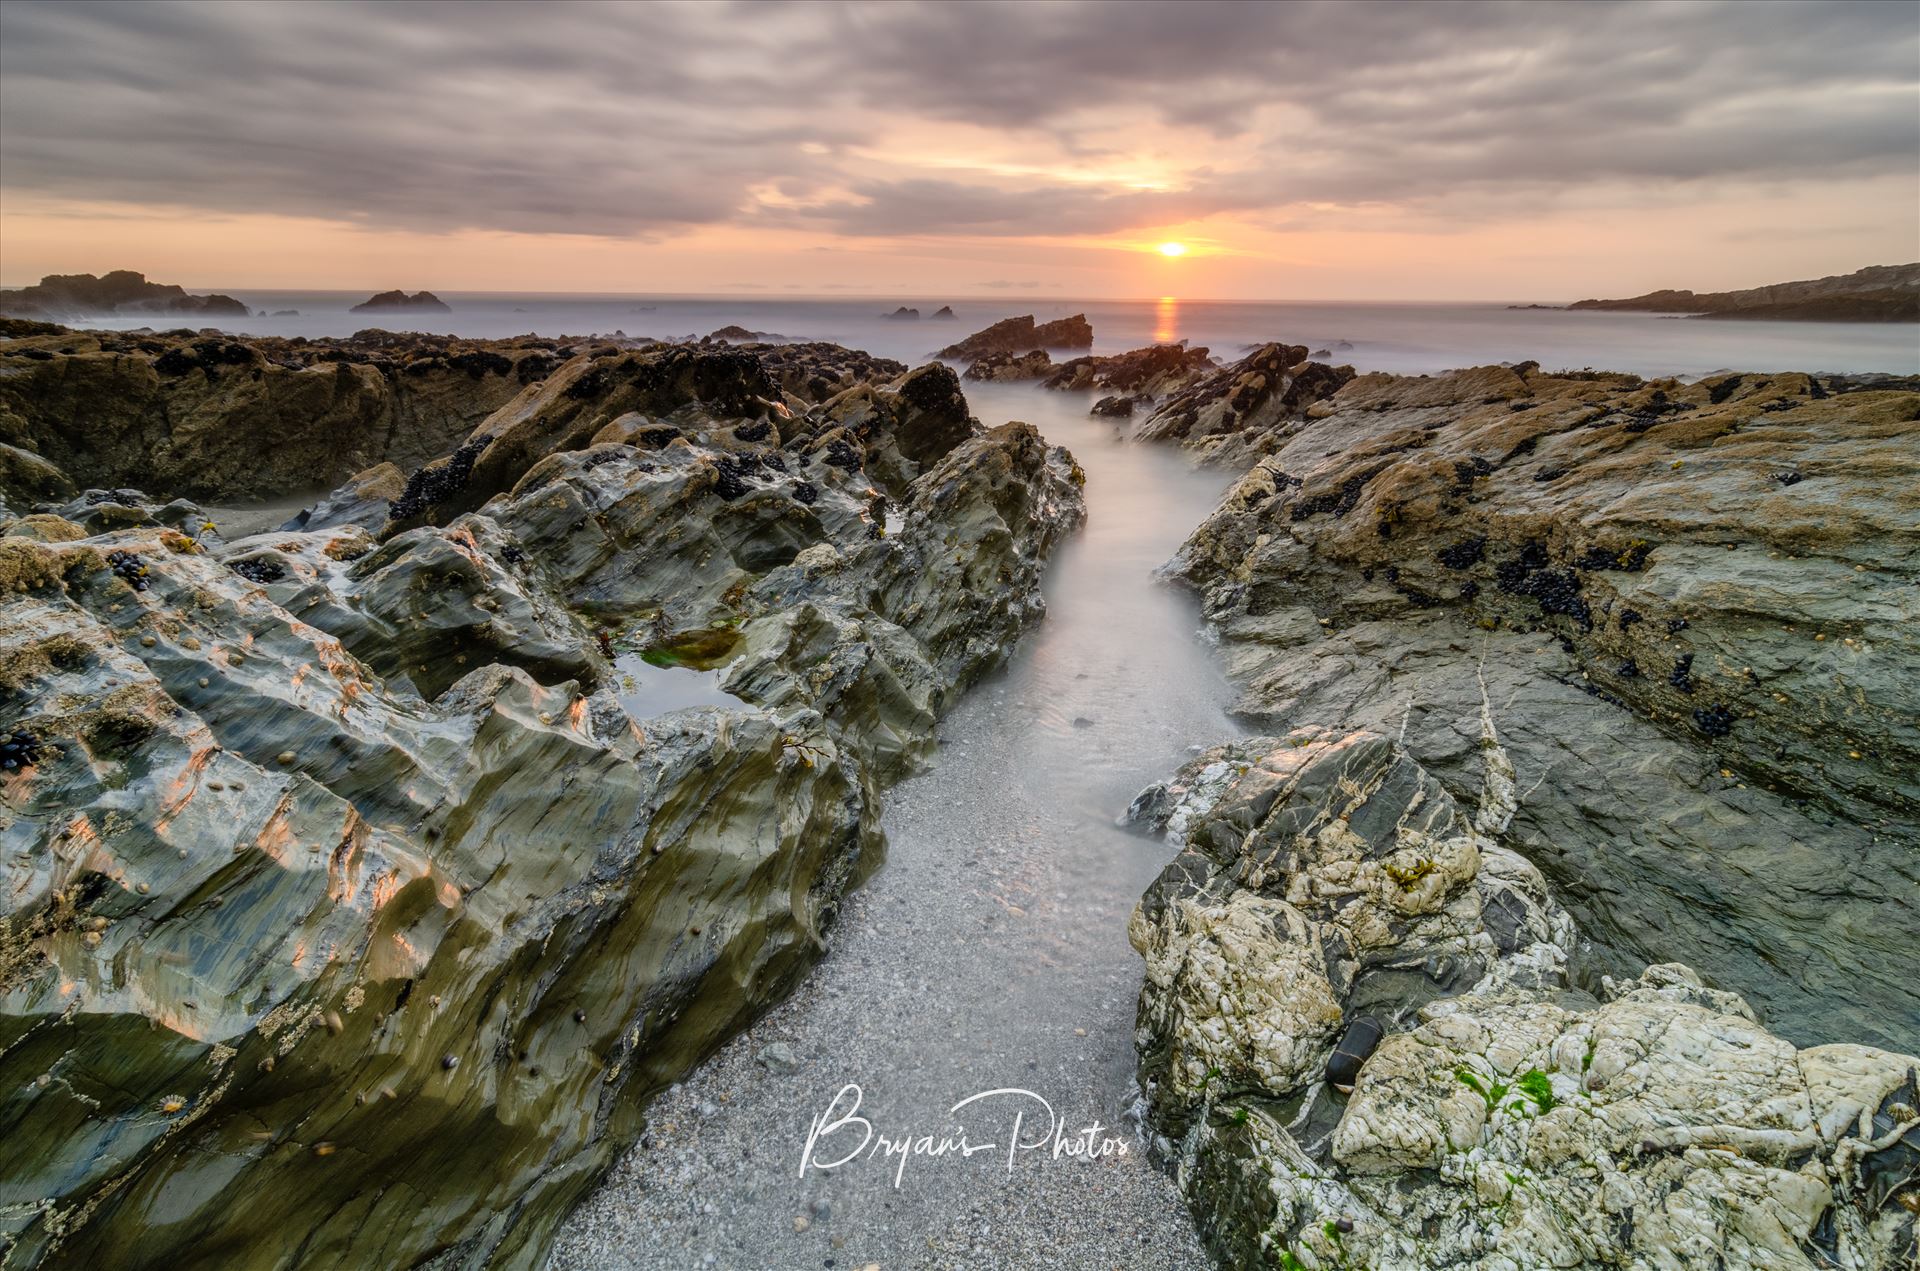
x=351 y=914
x=1703 y=668
x=1513 y=1109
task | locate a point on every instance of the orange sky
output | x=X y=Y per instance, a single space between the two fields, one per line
x=1462 y=153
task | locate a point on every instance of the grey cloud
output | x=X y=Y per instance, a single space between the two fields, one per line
x=645 y=119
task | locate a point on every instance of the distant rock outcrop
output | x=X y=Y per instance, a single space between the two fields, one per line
x=401 y=302
x=1878 y=293
x=1018 y=335
x=902 y=314
x=121 y=291
x=944 y=314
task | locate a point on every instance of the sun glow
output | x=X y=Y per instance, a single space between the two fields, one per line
x=1172 y=249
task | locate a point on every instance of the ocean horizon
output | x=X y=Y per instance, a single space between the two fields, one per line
x=1410 y=337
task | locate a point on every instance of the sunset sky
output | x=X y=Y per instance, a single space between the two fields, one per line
x=1366 y=151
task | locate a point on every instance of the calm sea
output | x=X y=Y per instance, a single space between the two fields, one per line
x=1413 y=338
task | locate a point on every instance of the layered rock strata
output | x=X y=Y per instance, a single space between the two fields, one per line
x=1695 y=605
x=358 y=893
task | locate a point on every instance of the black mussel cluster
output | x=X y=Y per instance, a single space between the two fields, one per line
x=1465 y=554
x=428 y=486
x=1681 y=677
x=732 y=481
x=20 y=749
x=259 y=570
x=129 y=567
x=1714 y=721
x=840 y=454
x=1467 y=471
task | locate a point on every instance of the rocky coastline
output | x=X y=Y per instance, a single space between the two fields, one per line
x=368 y=877
x=1565 y=675
x=359 y=898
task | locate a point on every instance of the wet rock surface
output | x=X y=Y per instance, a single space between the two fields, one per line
x=356 y=906
x=1336 y=919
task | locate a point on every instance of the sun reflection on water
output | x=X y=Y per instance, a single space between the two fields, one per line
x=1166 y=320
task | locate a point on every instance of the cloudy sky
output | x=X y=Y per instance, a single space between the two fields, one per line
x=1373 y=151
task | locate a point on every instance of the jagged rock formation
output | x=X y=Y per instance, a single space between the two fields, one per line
x=945 y=313
x=653 y=396
x=1232 y=414
x=1518 y=1111
x=401 y=302
x=1696 y=606
x=119 y=292
x=1142 y=374
x=1878 y=293
x=903 y=314
x=356 y=896
x=1020 y=335
x=1007 y=368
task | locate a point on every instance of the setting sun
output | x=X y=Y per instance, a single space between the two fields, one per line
x=1173 y=249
